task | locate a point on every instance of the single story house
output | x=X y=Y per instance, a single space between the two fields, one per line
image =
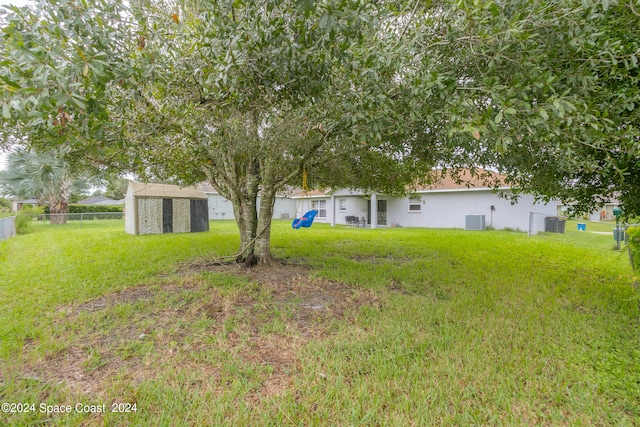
x=449 y=203
x=18 y=205
x=162 y=208
x=221 y=208
x=604 y=213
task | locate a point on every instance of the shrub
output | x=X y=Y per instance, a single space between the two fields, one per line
x=24 y=218
x=634 y=247
x=5 y=205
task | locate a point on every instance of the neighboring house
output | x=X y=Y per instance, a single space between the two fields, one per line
x=603 y=213
x=162 y=208
x=447 y=204
x=221 y=208
x=100 y=200
x=17 y=205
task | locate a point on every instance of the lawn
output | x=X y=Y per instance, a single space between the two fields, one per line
x=357 y=327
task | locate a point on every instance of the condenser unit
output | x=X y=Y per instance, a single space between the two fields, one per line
x=474 y=222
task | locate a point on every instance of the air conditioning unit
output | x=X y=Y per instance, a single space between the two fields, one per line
x=474 y=222
x=553 y=224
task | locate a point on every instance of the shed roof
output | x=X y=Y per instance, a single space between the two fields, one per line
x=140 y=189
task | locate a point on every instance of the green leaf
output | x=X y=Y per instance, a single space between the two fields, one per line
x=6 y=111
x=543 y=113
x=305 y=6
x=12 y=85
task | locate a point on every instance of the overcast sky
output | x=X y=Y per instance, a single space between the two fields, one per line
x=3 y=156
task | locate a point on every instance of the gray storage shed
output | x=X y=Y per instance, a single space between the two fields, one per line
x=164 y=208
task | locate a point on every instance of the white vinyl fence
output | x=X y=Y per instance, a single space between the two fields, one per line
x=7 y=227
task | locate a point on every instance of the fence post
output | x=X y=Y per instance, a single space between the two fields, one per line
x=81 y=218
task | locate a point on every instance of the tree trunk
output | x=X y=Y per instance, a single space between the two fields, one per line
x=59 y=204
x=262 y=248
x=58 y=211
x=246 y=214
x=255 y=229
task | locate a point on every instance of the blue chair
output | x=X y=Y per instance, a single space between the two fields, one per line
x=305 y=221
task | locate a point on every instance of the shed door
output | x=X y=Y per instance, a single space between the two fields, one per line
x=199 y=216
x=167 y=215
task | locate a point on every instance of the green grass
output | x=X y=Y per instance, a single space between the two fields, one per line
x=446 y=327
x=590 y=226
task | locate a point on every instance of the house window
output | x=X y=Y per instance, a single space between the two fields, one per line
x=342 y=203
x=415 y=204
x=321 y=207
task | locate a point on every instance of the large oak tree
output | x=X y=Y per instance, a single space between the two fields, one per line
x=362 y=94
x=244 y=95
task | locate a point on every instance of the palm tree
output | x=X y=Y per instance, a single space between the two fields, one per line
x=44 y=176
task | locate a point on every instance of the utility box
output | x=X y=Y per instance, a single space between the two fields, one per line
x=619 y=234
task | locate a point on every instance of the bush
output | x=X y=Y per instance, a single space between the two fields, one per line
x=634 y=247
x=24 y=218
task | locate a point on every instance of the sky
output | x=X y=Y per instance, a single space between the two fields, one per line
x=3 y=156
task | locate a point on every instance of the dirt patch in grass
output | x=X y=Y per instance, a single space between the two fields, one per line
x=126 y=296
x=313 y=301
x=194 y=327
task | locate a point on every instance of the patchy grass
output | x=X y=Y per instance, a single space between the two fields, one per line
x=357 y=327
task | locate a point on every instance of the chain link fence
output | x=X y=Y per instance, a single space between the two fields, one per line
x=77 y=217
x=7 y=227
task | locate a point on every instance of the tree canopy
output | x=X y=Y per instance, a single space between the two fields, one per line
x=552 y=94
